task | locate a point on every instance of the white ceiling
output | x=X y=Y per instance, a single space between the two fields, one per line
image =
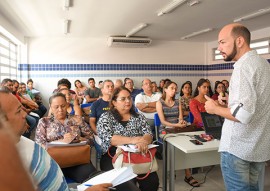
x=103 y=18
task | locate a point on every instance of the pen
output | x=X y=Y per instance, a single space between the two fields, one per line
x=111 y=188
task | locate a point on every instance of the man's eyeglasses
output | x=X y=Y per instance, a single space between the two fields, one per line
x=122 y=99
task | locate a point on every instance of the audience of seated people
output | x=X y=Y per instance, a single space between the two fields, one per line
x=92 y=93
x=170 y=113
x=196 y=104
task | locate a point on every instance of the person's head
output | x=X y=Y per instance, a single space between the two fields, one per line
x=15 y=86
x=107 y=88
x=154 y=87
x=169 y=90
x=7 y=83
x=67 y=94
x=166 y=81
x=186 y=89
x=129 y=84
x=91 y=82
x=63 y=83
x=118 y=83
x=121 y=102
x=161 y=83
x=58 y=105
x=234 y=41
x=30 y=84
x=219 y=87
x=202 y=87
x=226 y=84
x=22 y=88
x=146 y=86
x=14 y=112
x=100 y=84
x=78 y=84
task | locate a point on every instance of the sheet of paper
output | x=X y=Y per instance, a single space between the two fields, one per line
x=114 y=176
x=132 y=148
x=62 y=144
x=97 y=139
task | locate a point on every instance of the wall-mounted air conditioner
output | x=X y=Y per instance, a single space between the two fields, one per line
x=128 y=42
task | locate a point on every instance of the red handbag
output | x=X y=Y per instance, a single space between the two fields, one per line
x=141 y=164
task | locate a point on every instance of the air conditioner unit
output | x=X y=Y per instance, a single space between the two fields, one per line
x=128 y=42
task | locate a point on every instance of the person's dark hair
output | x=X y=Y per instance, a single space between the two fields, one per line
x=240 y=30
x=165 y=87
x=5 y=89
x=22 y=83
x=6 y=80
x=216 y=85
x=165 y=81
x=55 y=95
x=64 y=81
x=225 y=81
x=76 y=82
x=126 y=79
x=114 y=111
x=89 y=79
x=199 y=84
x=15 y=82
x=181 y=91
x=30 y=80
x=100 y=82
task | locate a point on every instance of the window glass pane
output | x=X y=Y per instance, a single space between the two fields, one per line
x=4 y=60
x=12 y=55
x=13 y=63
x=218 y=57
x=3 y=77
x=262 y=50
x=4 y=41
x=12 y=47
x=13 y=71
x=4 y=51
x=4 y=69
x=259 y=44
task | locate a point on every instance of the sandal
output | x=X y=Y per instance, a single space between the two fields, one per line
x=192 y=182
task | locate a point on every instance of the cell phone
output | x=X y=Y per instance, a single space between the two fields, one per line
x=196 y=142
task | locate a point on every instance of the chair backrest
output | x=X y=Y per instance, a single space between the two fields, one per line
x=86 y=105
x=157 y=120
x=190 y=117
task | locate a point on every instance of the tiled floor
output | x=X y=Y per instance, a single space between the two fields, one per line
x=213 y=179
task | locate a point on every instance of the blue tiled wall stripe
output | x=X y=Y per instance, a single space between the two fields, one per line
x=126 y=67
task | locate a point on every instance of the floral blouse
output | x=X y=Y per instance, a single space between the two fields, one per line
x=50 y=129
x=185 y=103
x=108 y=126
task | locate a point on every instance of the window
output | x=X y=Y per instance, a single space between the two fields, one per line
x=261 y=46
x=8 y=58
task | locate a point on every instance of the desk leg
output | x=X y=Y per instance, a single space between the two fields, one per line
x=165 y=163
x=172 y=167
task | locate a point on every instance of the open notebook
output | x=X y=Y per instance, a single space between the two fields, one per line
x=114 y=176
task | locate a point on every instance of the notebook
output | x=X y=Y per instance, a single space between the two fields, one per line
x=212 y=124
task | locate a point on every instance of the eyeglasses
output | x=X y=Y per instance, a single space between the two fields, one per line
x=122 y=99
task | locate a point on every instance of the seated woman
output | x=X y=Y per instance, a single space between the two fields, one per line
x=219 y=89
x=80 y=89
x=170 y=114
x=185 y=97
x=196 y=105
x=62 y=126
x=122 y=125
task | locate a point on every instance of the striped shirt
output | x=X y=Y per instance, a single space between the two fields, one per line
x=44 y=171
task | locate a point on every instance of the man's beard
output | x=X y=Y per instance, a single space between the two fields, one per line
x=231 y=56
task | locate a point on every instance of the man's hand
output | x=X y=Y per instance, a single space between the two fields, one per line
x=100 y=187
x=210 y=105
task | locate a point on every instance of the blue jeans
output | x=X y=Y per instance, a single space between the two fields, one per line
x=240 y=175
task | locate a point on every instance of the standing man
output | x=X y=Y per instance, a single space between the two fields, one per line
x=244 y=144
x=146 y=102
x=92 y=93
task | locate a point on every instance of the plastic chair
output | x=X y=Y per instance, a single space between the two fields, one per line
x=84 y=105
x=190 y=117
x=157 y=125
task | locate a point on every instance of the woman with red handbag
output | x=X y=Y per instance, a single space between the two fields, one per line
x=122 y=125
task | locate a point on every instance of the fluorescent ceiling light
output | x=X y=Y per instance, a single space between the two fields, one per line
x=197 y=33
x=66 y=4
x=174 y=4
x=66 y=26
x=136 y=29
x=253 y=15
